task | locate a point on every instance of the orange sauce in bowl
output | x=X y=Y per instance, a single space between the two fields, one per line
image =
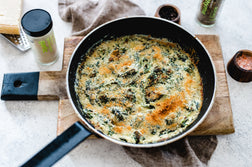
x=245 y=61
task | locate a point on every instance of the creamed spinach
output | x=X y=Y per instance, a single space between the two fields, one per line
x=139 y=89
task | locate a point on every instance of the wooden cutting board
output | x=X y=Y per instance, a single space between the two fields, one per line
x=218 y=122
x=52 y=86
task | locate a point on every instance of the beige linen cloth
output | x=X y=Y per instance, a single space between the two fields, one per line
x=85 y=15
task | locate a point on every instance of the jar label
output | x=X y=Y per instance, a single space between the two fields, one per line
x=47 y=44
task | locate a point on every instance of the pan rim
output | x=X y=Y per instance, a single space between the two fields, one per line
x=149 y=145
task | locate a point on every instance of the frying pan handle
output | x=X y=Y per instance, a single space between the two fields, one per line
x=20 y=86
x=44 y=85
x=60 y=146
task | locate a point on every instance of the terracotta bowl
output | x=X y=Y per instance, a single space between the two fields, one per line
x=238 y=67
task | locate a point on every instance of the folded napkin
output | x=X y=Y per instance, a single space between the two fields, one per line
x=85 y=15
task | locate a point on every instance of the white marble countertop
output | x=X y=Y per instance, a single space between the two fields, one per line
x=27 y=126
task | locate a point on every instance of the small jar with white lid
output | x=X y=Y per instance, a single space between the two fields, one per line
x=37 y=24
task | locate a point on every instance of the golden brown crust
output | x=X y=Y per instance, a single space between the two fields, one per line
x=139 y=89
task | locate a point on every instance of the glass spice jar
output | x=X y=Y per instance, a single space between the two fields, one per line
x=208 y=12
x=38 y=26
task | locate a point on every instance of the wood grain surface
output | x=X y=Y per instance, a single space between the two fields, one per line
x=218 y=122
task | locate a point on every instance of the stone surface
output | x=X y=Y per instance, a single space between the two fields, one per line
x=26 y=127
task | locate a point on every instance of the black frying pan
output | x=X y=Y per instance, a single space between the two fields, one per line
x=155 y=27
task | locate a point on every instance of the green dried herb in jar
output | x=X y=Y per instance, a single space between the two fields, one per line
x=208 y=12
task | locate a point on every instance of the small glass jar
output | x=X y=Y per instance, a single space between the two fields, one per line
x=208 y=12
x=38 y=26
